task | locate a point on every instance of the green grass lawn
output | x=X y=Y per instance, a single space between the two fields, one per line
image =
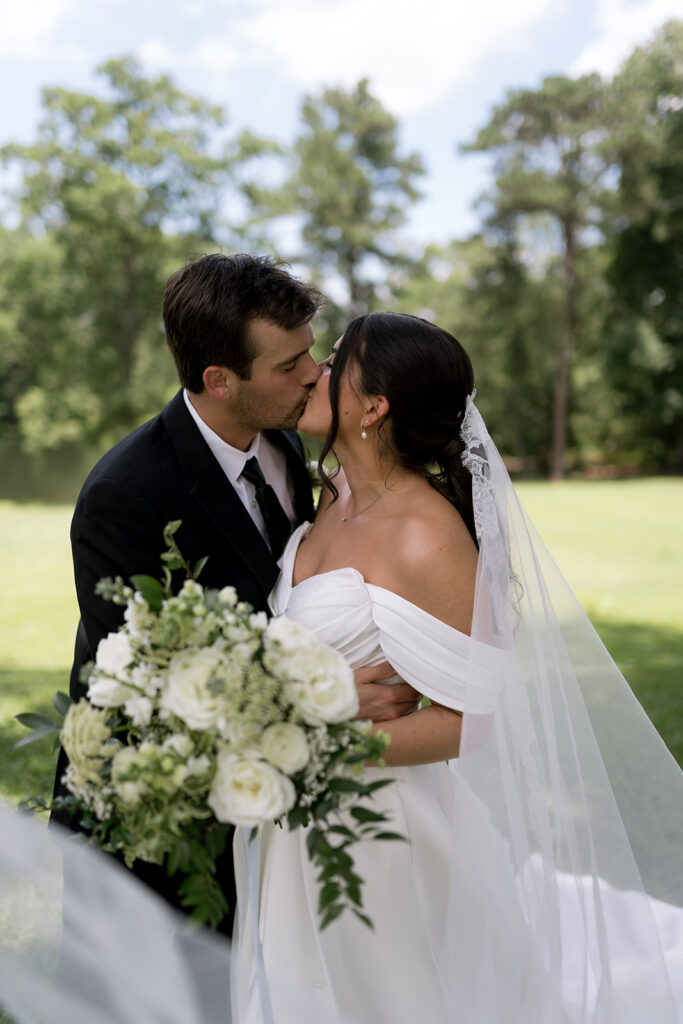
x=619 y=543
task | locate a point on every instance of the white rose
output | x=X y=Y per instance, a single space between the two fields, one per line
x=104 y=692
x=114 y=654
x=247 y=791
x=187 y=694
x=139 y=710
x=320 y=681
x=284 y=745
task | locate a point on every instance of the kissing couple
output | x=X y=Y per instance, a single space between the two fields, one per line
x=524 y=891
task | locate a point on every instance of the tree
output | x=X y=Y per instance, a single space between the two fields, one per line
x=116 y=191
x=548 y=161
x=349 y=186
x=481 y=291
x=644 y=326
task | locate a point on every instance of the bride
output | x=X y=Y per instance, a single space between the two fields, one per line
x=532 y=886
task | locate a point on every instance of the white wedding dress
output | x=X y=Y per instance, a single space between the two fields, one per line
x=394 y=972
x=453 y=939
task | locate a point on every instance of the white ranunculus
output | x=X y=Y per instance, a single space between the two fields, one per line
x=284 y=745
x=248 y=791
x=187 y=694
x=104 y=692
x=320 y=681
x=114 y=654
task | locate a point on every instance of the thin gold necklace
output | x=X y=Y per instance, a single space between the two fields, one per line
x=374 y=501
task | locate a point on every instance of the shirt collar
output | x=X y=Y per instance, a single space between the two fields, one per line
x=232 y=460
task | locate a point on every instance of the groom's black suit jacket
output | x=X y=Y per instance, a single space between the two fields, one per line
x=163 y=471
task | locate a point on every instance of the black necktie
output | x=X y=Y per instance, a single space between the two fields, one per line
x=276 y=519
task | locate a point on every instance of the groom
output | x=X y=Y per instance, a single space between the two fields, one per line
x=223 y=457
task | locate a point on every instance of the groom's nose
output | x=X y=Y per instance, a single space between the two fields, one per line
x=311 y=371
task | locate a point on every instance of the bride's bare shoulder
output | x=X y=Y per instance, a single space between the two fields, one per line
x=434 y=563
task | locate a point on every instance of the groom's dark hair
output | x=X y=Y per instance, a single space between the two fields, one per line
x=209 y=303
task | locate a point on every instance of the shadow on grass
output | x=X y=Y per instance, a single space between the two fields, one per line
x=30 y=770
x=651 y=659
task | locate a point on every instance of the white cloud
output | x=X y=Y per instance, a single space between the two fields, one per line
x=29 y=27
x=622 y=25
x=413 y=54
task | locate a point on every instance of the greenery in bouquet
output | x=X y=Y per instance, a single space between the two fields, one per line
x=202 y=714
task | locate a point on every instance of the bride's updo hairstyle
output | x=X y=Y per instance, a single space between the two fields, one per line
x=426 y=376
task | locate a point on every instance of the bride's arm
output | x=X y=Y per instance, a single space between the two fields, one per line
x=435 y=569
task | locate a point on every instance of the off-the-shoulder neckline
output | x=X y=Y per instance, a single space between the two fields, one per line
x=349 y=569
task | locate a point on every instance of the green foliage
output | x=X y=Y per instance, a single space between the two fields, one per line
x=116 y=191
x=547 y=144
x=644 y=352
x=349 y=186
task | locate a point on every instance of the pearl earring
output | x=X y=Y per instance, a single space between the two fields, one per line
x=363 y=432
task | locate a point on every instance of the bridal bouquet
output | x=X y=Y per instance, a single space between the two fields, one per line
x=202 y=714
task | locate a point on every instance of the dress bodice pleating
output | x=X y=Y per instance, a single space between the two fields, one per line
x=369 y=624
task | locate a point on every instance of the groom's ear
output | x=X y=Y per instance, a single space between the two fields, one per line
x=219 y=381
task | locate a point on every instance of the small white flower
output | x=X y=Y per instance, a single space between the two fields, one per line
x=198 y=765
x=104 y=692
x=228 y=596
x=258 y=620
x=114 y=654
x=284 y=745
x=180 y=743
x=139 y=710
x=138 y=617
x=247 y=790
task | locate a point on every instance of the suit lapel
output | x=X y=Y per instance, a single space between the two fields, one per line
x=209 y=486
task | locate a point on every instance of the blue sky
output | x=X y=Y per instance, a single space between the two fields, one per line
x=439 y=65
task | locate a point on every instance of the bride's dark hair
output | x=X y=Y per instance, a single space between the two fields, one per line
x=426 y=376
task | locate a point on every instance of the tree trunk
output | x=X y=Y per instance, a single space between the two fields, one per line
x=564 y=354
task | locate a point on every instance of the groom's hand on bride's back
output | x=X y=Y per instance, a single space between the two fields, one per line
x=385 y=702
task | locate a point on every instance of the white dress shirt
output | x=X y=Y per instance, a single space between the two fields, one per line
x=232 y=461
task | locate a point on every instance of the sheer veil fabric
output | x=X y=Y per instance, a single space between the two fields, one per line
x=583 y=798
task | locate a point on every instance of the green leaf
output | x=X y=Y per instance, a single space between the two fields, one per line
x=345 y=786
x=172 y=528
x=172 y=559
x=32 y=720
x=331 y=915
x=151 y=589
x=297 y=817
x=316 y=843
x=341 y=830
x=390 y=835
x=62 y=702
x=38 y=734
x=328 y=894
x=364 y=814
x=199 y=566
x=364 y=918
x=372 y=787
